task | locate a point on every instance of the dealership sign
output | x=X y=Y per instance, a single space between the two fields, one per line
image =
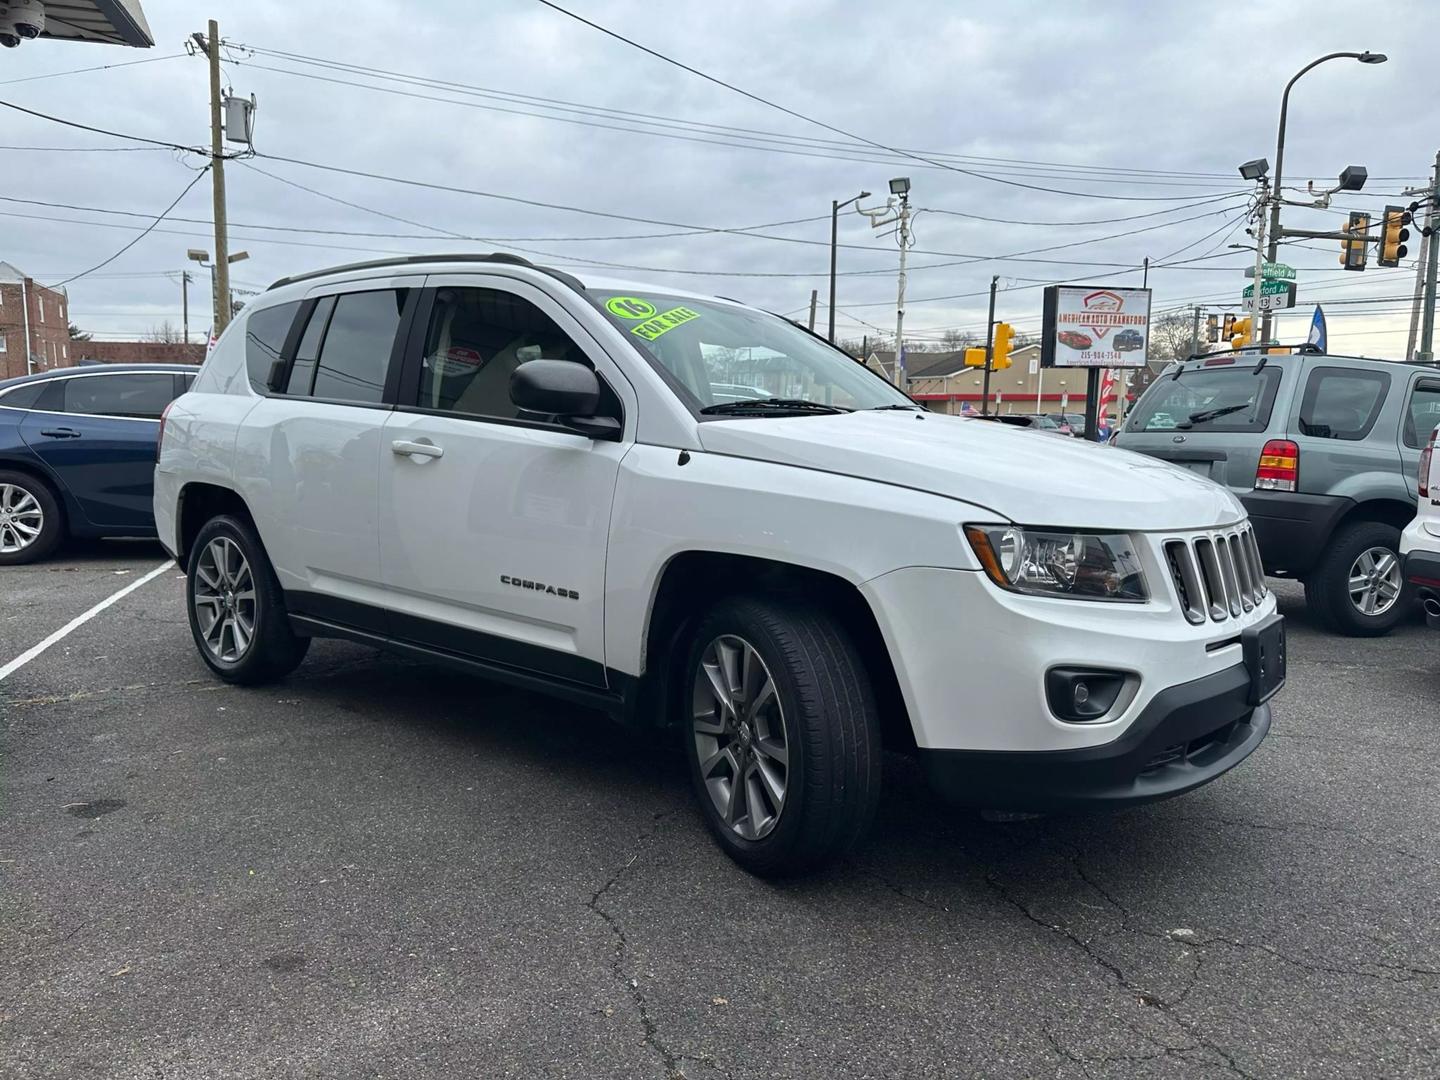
x=1095 y=326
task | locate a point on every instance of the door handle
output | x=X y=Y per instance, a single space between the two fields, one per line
x=60 y=433
x=405 y=448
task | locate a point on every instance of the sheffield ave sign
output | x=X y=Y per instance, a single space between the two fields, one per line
x=1097 y=326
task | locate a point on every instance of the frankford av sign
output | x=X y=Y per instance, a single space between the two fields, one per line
x=1095 y=326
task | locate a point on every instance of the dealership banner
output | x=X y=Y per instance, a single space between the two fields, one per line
x=1095 y=326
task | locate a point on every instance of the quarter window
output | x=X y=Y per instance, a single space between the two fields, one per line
x=1342 y=404
x=477 y=338
x=265 y=334
x=356 y=352
x=142 y=396
x=1423 y=414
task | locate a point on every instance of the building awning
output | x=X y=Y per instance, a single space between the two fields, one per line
x=104 y=22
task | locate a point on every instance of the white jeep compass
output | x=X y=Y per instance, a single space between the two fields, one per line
x=687 y=512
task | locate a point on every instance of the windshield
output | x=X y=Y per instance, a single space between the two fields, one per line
x=718 y=355
x=1208 y=399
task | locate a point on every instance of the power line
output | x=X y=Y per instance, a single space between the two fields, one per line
x=193 y=181
x=84 y=70
x=104 y=131
x=831 y=127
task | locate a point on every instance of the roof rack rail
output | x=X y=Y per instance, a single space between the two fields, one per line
x=503 y=257
x=1303 y=348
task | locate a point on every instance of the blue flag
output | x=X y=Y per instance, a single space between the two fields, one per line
x=1317 y=329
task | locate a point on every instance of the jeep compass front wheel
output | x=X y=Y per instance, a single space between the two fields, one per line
x=781 y=733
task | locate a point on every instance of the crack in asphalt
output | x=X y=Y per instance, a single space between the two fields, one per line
x=670 y=1059
x=1287 y=827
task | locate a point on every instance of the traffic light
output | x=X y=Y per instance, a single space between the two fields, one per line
x=1229 y=331
x=1240 y=329
x=1393 y=235
x=1352 y=248
x=975 y=356
x=1212 y=329
x=1004 y=337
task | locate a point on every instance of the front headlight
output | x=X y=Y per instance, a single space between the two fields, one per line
x=1052 y=562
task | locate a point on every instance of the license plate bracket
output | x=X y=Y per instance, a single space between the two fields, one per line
x=1263 y=646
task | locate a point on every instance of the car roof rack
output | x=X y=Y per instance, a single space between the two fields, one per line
x=1303 y=348
x=502 y=257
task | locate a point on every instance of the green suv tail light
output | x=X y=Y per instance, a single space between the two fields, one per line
x=1279 y=468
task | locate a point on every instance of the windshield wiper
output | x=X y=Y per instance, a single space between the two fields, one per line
x=772 y=404
x=888 y=408
x=1210 y=414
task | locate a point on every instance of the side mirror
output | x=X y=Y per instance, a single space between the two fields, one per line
x=565 y=389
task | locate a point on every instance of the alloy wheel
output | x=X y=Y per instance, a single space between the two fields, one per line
x=21 y=519
x=224 y=600
x=1375 y=581
x=740 y=737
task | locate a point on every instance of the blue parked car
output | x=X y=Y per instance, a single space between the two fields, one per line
x=77 y=453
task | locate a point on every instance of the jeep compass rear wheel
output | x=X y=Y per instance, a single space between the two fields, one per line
x=781 y=733
x=237 y=611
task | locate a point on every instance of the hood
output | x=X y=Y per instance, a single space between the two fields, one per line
x=1022 y=475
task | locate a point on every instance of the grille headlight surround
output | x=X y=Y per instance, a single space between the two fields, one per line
x=1064 y=563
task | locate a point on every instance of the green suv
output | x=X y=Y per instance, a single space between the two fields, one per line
x=1322 y=450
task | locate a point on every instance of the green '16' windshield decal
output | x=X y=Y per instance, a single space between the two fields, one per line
x=665 y=322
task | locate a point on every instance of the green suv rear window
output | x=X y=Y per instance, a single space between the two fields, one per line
x=1209 y=399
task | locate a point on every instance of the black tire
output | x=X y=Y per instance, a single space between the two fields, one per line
x=273 y=649
x=52 y=521
x=831 y=733
x=1327 y=589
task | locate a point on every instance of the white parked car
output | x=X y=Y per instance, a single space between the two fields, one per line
x=1420 y=542
x=486 y=463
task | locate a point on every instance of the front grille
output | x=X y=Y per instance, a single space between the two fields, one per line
x=1217 y=575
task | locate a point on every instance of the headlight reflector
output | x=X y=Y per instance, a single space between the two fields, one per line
x=1060 y=562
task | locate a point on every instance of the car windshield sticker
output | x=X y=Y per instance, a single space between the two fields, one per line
x=665 y=322
x=630 y=307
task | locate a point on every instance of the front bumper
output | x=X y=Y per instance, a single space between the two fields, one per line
x=1185 y=737
x=1292 y=528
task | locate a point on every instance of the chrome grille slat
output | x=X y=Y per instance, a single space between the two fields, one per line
x=1217 y=575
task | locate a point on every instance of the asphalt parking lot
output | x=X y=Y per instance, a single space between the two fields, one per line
x=379 y=869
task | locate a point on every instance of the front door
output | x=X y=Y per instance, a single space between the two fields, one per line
x=98 y=433
x=493 y=524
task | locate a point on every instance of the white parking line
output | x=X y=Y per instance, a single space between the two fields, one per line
x=80 y=620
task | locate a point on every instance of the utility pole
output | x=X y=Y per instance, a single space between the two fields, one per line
x=900 y=186
x=185 y=302
x=1195 y=332
x=1255 y=332
x=814 y=296
x=989 y=346
x=217 y=171
x=1427 y=331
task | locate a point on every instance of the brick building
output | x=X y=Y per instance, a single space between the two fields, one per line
x=29 y=308
x=136 y=352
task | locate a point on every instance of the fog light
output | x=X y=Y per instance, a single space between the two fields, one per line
x=1078 y=695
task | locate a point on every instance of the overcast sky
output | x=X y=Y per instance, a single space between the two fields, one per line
x=1150 y=105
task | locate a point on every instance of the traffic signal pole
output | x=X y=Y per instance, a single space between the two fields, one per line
x=989 y=346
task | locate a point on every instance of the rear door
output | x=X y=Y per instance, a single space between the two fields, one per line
x=1343 y=447
x=97 y=433
x=1213 y=419
x=308 y=453
x=1420 y=417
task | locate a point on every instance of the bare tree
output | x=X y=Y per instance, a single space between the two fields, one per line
x=166 y=333
x=955 y=340
x=1171 y=337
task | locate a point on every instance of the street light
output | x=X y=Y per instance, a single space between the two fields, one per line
x=835 y=208
x=203 y=258
x=900 y=185
x=1274 y=249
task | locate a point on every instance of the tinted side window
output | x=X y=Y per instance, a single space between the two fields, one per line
x=1342 y=404
x=477 y=338
x=265 y=334
x=302 y=372
x=143 y=395
x=22 y=397
x=356 y=352
x=1422 y=415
